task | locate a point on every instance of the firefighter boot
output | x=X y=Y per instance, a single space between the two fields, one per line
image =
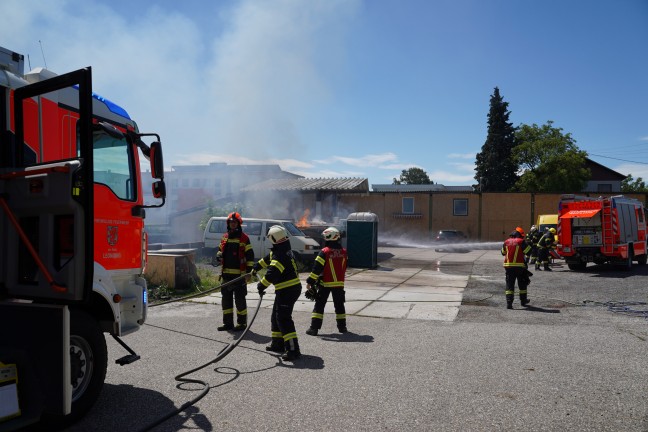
x=509 y=301
x=292 y=350
x=524 y=300
x=547 y=268
x=341 y=325
x=228 y=322
x=312 y=331
x=242 y=323
x=277 y=345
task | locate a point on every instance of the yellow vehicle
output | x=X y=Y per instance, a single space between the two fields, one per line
x=546 y=221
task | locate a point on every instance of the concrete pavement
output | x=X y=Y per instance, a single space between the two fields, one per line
x=408 y=283
x=560 y=365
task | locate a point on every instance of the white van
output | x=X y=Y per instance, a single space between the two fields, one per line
x=304 y=248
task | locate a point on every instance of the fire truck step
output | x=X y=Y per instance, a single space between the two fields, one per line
x=127 y=359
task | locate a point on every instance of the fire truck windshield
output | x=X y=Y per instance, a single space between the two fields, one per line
x=113 y=165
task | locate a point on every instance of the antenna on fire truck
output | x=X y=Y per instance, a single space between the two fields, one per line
x=43 y=53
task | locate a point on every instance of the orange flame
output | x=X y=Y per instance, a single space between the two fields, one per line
x=303 y=221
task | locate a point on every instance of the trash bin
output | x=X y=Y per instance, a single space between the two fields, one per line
x=362 y=240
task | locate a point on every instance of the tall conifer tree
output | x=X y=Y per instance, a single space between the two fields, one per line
x=495 y=169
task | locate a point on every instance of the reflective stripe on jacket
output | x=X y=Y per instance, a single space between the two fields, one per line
x=238 y=254
x=514 y=249
x=281 y=271
x=331 y=263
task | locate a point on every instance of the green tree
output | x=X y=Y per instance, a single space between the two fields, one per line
x=413 y=176
x=225 y=210
x=549 y=160
x=494 y=167
x=630 y=185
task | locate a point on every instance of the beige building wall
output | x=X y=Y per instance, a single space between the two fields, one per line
x=491 y=216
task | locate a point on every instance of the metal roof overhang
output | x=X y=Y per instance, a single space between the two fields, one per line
x=580 y=214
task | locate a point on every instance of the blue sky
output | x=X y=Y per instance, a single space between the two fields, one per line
x=352 y=88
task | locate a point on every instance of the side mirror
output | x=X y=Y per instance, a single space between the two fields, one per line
x=157 y=163
x=159 y=189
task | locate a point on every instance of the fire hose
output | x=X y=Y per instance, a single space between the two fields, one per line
x=221 y=355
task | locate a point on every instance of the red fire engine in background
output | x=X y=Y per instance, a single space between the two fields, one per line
x=601 y=230
x=73 y=239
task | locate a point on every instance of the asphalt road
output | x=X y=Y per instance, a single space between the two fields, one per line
x=567 y=363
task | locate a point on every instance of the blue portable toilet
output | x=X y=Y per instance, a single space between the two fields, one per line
x=362 y=240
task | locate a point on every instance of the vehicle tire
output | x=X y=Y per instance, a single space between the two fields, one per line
x=580 y=266
x=642 y=259
x=88 y=361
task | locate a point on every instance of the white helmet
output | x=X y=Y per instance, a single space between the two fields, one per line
x=331 y=234
x=533 y=228
x=277 y=234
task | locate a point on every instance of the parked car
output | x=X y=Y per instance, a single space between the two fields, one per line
x=304 y=248
x=448 y=240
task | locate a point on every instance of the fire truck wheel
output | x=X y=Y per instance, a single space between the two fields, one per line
x=579 y=266
x=642 y=259
x=88 y=361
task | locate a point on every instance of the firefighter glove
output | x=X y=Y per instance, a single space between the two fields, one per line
x=311 y=293
x=261 y=288
x=218 y=259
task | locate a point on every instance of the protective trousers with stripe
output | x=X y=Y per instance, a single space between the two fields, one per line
x=231 y=294
x=317 y=316
x=282 y=325
x=513 y=274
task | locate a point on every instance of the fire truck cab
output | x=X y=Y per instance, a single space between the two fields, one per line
x=73 y=239
x=601 y=230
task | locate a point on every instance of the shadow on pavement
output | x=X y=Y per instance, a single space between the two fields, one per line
x=543 y=310
x=347 y=337
x=129 y=403
x=304 y=362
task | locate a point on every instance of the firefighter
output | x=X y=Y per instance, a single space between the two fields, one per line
x=546 y=242
x=532 y=238
x=329 y=269
x=281 y=271
x=514 y=249
x=237 y=258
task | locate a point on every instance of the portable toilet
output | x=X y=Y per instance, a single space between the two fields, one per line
x=362 y=240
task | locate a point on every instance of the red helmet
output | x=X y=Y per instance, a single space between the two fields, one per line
x=520 y=230
x=235 y=216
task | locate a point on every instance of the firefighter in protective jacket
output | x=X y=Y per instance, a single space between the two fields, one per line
x=329 y=269
x=545 y=244
x=281 y=271
x=532 y=238
x=514 y=249
x=237 y=258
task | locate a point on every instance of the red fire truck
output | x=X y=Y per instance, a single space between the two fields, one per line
x=601 y=230
x=73 y=238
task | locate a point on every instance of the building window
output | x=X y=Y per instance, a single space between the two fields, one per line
x=408 y=205
x=604 y=187
x=460 y=207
